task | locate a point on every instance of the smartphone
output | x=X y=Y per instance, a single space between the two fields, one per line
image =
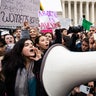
x=84 y=89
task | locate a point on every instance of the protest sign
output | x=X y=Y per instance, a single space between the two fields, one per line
x=65 y=22
x=47 y=19
x=0 y=3
x=15 y=12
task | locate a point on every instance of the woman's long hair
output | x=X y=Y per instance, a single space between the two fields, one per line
x=12 y=61
x=14 y=58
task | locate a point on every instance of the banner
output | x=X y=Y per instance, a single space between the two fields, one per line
x=15 y=12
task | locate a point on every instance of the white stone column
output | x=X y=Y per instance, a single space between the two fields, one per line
x=75 y=13
x=87 y=10
x=92 y=14
x=81 y=9
x=63 y=7
x=69 y=9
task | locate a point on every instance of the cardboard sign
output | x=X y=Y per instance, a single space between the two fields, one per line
x=47 y=19
x=65 y=22
x=15 y=12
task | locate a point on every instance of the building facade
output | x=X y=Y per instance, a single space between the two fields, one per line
x=78 y=9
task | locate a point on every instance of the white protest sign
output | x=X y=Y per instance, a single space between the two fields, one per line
x=15 y=12
x=43 y=19
x=0 y=3
x=65 y=22
x=47 y=19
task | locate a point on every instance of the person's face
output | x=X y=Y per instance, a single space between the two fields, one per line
x=43 y=43
x=49 y=36
x=91 y=40
x=84 y=46
x=18 y=33
x=64 y=33
x=33 y=33
x=28 y=49
x=92 y=30
x=91 y=84
x=9 y=39
x=2 y=49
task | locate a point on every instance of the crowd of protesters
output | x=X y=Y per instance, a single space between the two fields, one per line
x=21 y=54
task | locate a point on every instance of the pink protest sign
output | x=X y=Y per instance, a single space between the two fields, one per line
x=47 y=31
x=47 y=19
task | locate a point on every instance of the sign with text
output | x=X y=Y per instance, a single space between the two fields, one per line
x=0 y=2
x=47 y=19
x=15 y=12
x=65 y=22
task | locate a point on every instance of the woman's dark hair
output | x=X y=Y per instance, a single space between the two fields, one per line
x=12 y=61
x=37 y=39
x=67 y=41
x=63 y=29
x=2 y=41
x=14 y=58
x=86 y=40
x=50 y=33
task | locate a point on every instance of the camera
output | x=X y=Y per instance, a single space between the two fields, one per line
x=75 y=29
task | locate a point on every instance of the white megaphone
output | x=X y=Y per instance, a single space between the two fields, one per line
x=62 y=70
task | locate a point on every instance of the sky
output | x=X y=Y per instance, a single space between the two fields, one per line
x=51 y=5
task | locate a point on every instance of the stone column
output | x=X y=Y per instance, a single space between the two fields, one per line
x=69 y=9
x=75 y=13
x=87 y=10
x=81 y=10
x=92 y=14
x=63 y=7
